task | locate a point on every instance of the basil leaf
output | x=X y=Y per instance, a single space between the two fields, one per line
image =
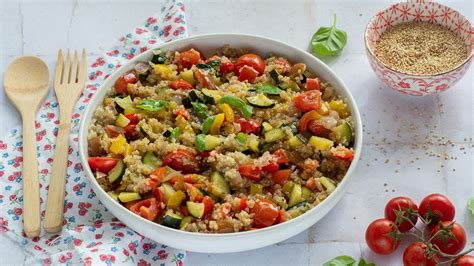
x=175 y=134
x=470 y=205
x=207 y=124
x=329 y=40
x=238 y=103
x=200 y=109
x=151 y=105
x=201 y=142
x=269 y=89
x=362 y=262
x=341 y=261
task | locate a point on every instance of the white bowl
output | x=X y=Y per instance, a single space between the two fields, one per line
x=228 y=242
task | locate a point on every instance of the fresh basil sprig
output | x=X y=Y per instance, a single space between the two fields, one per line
x=151 y=105
x=238 y=103
x=329 y=40
x=345 y=260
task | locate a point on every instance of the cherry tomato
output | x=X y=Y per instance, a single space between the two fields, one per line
x=242 y=204
x=250 y=126
x=265 y=213
x=131 y=131
x=247 y=73
x=466 y=260
x=204 y=80
x=113 y=131
x=271 y=167
x=180 y=84
x=281 y=217
x=158 y=175
x=381 y=236
x=281 y=176
x=208 y=205
x=400 y=204
x=436 y=207
x=226 y=65
x=416 y=255
x=147 y=209
x=134 y=119
x=250 y=171
x=317 y=128
x=251 y=60
x=313 y=84
x=188 y=58
x=158 y=195
x=182 y=160
x=102 y=164
x=281 y=156
x=282 y=66
x=308 y=100
x=122 y=82
x=446 y=243
x=306 y=118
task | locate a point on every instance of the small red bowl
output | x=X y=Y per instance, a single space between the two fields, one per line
x=419 y=11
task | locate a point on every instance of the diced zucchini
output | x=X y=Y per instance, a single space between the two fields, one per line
x=295 y=195
x=266 y=127
x=241 y=138
x=212 y=142
x=261 y=101
x=186 y=220
x=175 y=134
x=212 y=94
x=117 y=172
x=275 y=134
x=188 y=76
x=167 y=190
x=287 y=187
x=128 y=196
x=195 y=209
x=327 y=183
x=126 y=104
x=256 y=189
x=253 y=144
x=295 y=142
x=342 y=134
x=298 y=205
x=172 y=220
x=122 y=121
x=150 y=159
x=321 y=144
x=219 y=186
x=306 y=193
x=175 y=199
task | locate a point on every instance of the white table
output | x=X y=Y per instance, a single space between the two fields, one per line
x=42 y=27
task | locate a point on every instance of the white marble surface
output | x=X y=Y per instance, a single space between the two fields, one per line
x=393 y=122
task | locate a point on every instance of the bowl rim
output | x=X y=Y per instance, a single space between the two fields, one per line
x=83 y=132
x=455 y=68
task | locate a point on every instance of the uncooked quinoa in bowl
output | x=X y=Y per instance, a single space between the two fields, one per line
x=231 y=142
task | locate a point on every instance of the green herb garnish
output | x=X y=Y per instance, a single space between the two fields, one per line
x=207 y=124
x=347 y=261
x=269 y=89
x=238 y=103
x=151 y=105
x=175 y=134
x=201 y=142
x=329 y=40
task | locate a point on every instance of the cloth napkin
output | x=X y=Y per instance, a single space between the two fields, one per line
x=91 y=234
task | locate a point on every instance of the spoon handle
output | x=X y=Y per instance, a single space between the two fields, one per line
x=31 y=197
x=53 y=221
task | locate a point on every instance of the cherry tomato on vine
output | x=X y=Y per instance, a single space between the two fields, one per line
x=382 y=236
x=436 y=208
x=416 y=254
x=405 y=207
x=466 y=260
x=450 y=237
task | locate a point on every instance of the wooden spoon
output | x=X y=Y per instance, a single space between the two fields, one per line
x=26 y=83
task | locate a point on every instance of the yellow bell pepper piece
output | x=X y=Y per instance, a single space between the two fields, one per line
x=176 y=199
x=228 y=112
x=118 y=145
x=340 y=107
x=188 y=75
x=128 y=150
x=324 y=110
x=321 y=144
x=216 y=125
x=163 y=71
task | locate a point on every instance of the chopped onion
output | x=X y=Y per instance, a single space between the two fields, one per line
x=329 y=122
x=142 y=68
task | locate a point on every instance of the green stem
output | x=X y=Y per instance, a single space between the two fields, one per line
x=334 y=21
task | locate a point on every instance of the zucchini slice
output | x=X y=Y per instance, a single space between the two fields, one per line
x=128 y=196
x=172 y=220
x=117 y=172
x=295 y=195
x=210 y=96
x=196 y=209
x=219 y=186
x=342 y=134
x=150 y=159
x=186 y=220
x=275 y=134
x=260 y=100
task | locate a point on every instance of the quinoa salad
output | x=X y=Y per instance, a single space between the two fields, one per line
x=233 y=142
